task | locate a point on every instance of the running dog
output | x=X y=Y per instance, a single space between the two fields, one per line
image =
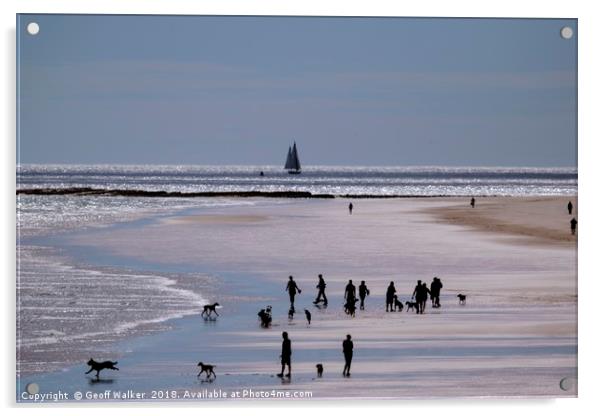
x=96 y=366
x=462 y=299
x=412 y=305
x=209 y=309
x=207 y=369
x=397 y=304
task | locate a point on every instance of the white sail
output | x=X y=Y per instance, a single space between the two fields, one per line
x=289 y=160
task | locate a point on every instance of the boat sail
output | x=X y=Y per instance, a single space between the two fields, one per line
x=292 y=160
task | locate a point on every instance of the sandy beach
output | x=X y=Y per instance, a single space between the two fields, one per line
x=514 y=259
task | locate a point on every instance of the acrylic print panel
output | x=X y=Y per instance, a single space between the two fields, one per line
x=396 y=195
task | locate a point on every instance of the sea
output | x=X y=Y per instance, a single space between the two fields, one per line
x=61 y=307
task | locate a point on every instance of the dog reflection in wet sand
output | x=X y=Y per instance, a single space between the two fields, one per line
x=98 y=367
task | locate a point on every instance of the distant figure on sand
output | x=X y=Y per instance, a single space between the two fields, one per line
x=350 y=208
x=308 y=316
x=570 y=207
x=573 y=225
x=364 y=291
x=321 y=291
x=436 y=287
x=390 y=297
x=292 y=290
x=350 y=292
x=421 y=293
x=285 y=356
x=348 y=353
x=261 y=173
x=472 y=202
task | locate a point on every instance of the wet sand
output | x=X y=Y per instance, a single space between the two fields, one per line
x=516 y=336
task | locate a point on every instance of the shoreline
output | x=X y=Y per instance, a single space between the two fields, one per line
x=87 y=191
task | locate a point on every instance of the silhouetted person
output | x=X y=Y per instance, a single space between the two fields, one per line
x=292 y=290
x=350 y=208
x=321 y=291
x=261 y=173
x=573 y=225
x=389 y=298
x=570 y=207
x=348 y=353
x=472 y=201
x=364 y=291
x=350 y=292
x=285 y=356
x=420 y=295
x=436 y=287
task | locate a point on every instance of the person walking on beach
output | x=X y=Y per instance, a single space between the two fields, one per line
x=390 y=297
x=573 y=225
x=321 y=291
x=285 y=356
x=292 y=290
x=350 y=208
x=472 y=201
x=364 y=291
x=350 y=291
x=570 y=207
x=436 y=287
x=348 y=353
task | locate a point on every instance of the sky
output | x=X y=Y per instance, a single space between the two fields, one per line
x=350 y=91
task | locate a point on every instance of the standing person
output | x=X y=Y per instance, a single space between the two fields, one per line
x=472 y=201
x=285 y=356
x=436 y=287
x=348 y=353
x=573 y=225
x=350 y=291
x=389 y=297
x=424 y=296
x=321 y=291
x=570 y=207
x=417 y=294
x=350 y=208
x=292 y=290
x=364 y=291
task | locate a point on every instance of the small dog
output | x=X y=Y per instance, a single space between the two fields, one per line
x=265 y=315
x=462 y=299
x=308 y=316
x=96 y=366
x=398 y=305
x=411 y=305
x=350 y=307
x=291 y=313
x=207 y=369
x=209 y=309
x=320 y=369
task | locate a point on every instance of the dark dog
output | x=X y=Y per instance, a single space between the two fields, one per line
x=350 y=307
x=207 y=369
x=462 y=299
x=412 y=305
x=209 y=309
x=320 y=369
x=96 y=366
x=397 y=304
x=308 y=316
x=265 y=315
x=291 y=313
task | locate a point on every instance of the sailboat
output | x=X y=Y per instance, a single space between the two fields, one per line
x=292 y=160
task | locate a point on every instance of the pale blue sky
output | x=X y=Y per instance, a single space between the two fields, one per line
x=350 y=91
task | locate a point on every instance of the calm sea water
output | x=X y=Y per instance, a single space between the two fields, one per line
x=334 y=180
